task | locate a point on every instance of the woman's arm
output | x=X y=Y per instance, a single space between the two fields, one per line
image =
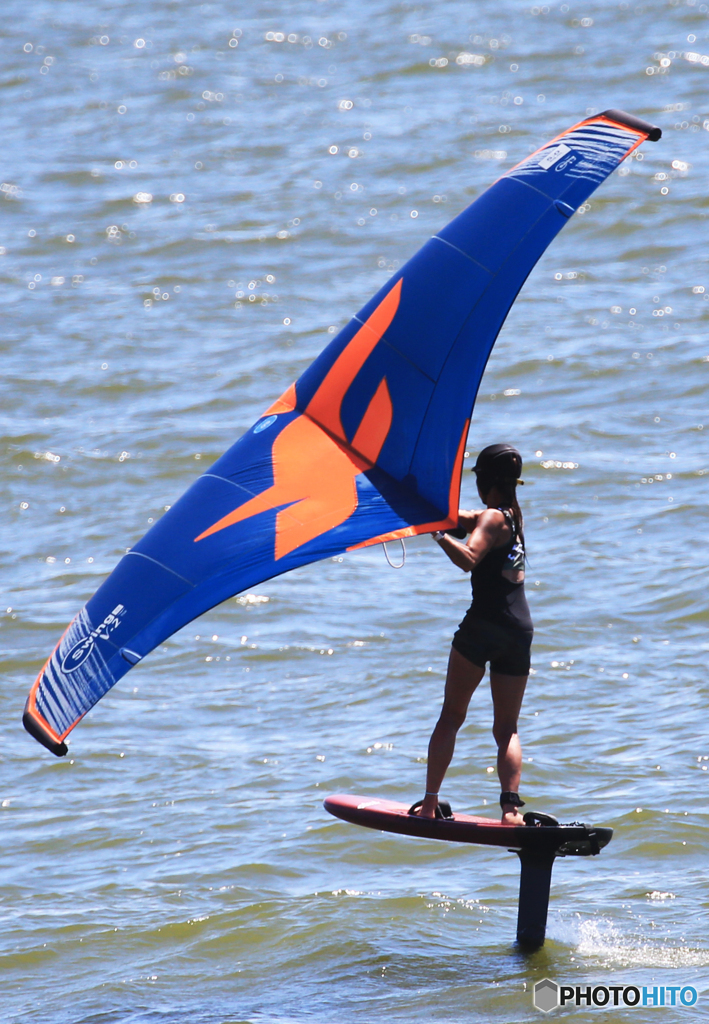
x=487 y=534
x=468 y=518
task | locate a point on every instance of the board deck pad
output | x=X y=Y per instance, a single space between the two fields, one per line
x=575 y=839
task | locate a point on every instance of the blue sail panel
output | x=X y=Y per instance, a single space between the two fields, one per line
x=440 y=285
x=431 y=465
x=491 y=230
x=366 y=445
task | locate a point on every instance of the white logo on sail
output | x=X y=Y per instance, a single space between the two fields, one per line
x=548 y=157
x=81 y=650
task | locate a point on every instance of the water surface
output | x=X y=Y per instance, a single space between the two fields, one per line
x=194 y=199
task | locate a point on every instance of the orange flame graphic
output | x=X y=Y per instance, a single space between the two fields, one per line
x=314 y=467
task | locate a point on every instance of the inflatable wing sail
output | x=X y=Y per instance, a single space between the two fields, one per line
x=366 y=446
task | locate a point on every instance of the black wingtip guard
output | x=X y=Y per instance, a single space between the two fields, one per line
x=652 y=131
x=35 y=730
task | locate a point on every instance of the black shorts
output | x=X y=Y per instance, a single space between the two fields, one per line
x=507 y=649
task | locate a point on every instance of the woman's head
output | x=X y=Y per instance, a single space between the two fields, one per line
x=498 y=465
x=498 y=469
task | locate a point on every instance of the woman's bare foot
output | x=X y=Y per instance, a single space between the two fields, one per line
x=425 y=808
x=511 y=815
x=428 y=807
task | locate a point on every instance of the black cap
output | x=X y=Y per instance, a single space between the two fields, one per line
x=499 y=462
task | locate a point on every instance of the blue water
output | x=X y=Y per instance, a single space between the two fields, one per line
x=178 y=865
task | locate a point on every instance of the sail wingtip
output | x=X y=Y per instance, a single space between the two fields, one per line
x=652 y=131
x=39 y=733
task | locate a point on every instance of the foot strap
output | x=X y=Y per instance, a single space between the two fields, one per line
x=443 y=809
x=510 y=798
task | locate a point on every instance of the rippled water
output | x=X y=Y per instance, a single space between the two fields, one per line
x=164 y=164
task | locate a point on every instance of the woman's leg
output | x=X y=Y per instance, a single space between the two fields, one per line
x=461 y=683
x=507 y=694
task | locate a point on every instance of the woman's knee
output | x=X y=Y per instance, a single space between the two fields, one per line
x=503 y=732
x=452 y=718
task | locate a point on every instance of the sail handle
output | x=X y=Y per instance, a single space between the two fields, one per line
x=403 y=554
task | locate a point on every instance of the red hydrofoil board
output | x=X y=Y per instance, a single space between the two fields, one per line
x=535 y=837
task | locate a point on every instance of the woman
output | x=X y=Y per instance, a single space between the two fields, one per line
x=497 y=628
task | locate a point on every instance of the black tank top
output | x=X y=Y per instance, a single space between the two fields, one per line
x=495 y=598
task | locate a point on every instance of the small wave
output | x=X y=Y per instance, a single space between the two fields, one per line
x=601 y=939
